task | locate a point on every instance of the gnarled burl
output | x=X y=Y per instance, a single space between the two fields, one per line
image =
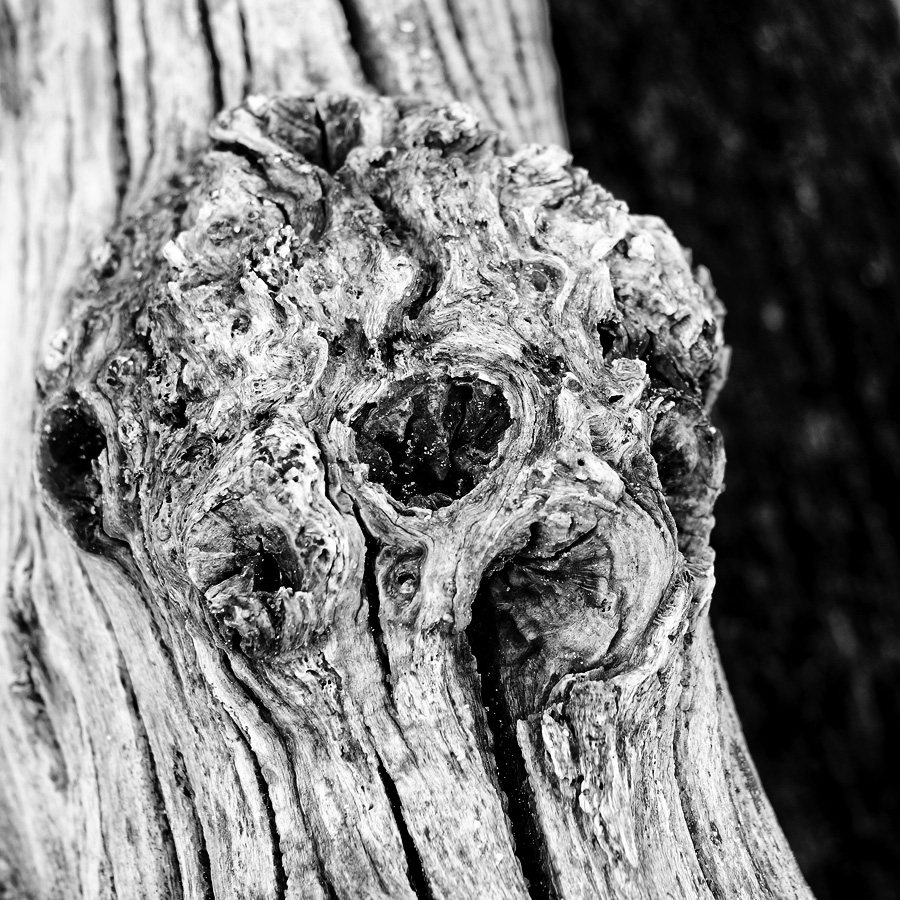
x=401 y=434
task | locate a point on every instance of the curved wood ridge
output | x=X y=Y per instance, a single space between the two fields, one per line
x=397 y=437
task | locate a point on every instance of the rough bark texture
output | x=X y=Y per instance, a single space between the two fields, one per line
x=384 y=447
x=766 y=133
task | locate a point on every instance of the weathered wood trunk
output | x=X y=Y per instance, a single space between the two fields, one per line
x=368 y=550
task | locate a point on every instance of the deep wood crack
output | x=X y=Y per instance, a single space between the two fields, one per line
x=121 y=144
x=263 y=787
x=215 y=66
x=361 y=45
x=414 y=869
x=149 y=86
x=483 y=637
x=248 y=55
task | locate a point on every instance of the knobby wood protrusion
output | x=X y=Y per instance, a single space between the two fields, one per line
x=383 y=445
x=362 y=366
x=101 y=100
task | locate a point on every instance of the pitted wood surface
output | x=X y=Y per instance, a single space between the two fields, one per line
x=376 y=453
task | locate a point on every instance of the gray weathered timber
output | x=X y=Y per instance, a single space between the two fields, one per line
x=378 y=488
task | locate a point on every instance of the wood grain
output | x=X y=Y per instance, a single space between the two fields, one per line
x=376 y=478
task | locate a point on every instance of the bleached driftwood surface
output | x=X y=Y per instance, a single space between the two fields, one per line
x=376 y=474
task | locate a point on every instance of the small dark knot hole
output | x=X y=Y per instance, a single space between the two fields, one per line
x=71 y=443
x=609 y=334
x=268 y=576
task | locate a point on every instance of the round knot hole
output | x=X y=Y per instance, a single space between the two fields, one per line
x=430 y=442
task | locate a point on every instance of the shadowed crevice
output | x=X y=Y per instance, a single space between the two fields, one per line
x=484 y=641
x=263 y=788
x=121 y=147
x=34 y=688
x=248 y=55
x=373 y=605
x=265 y=716
x=149 y=87
x=414 y=868
x=362 y=45
x=182 y=781
x=215 y=67
x=689 y=816
x=10 y=86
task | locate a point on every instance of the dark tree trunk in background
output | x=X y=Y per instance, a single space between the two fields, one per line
x=766 y=134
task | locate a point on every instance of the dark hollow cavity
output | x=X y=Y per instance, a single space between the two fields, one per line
x=268 y=575
x=71 y=442
x=429 y=443
x=610 y=338
x=268 y=559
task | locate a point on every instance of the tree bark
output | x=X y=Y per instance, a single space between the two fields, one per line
x=376 y=476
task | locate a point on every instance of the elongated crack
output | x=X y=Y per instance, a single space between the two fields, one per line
x=150 y=88
x=363 y=46
x=263 y=788
x=120 y=125
x=248 y=55
x=373 y=607
x=690 y=818
x=484 y=642
x=265 y=716
x=182 y=781
x=217 y=97
x=414 y=869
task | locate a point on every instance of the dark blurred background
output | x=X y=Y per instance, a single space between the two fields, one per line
x=767 y=134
